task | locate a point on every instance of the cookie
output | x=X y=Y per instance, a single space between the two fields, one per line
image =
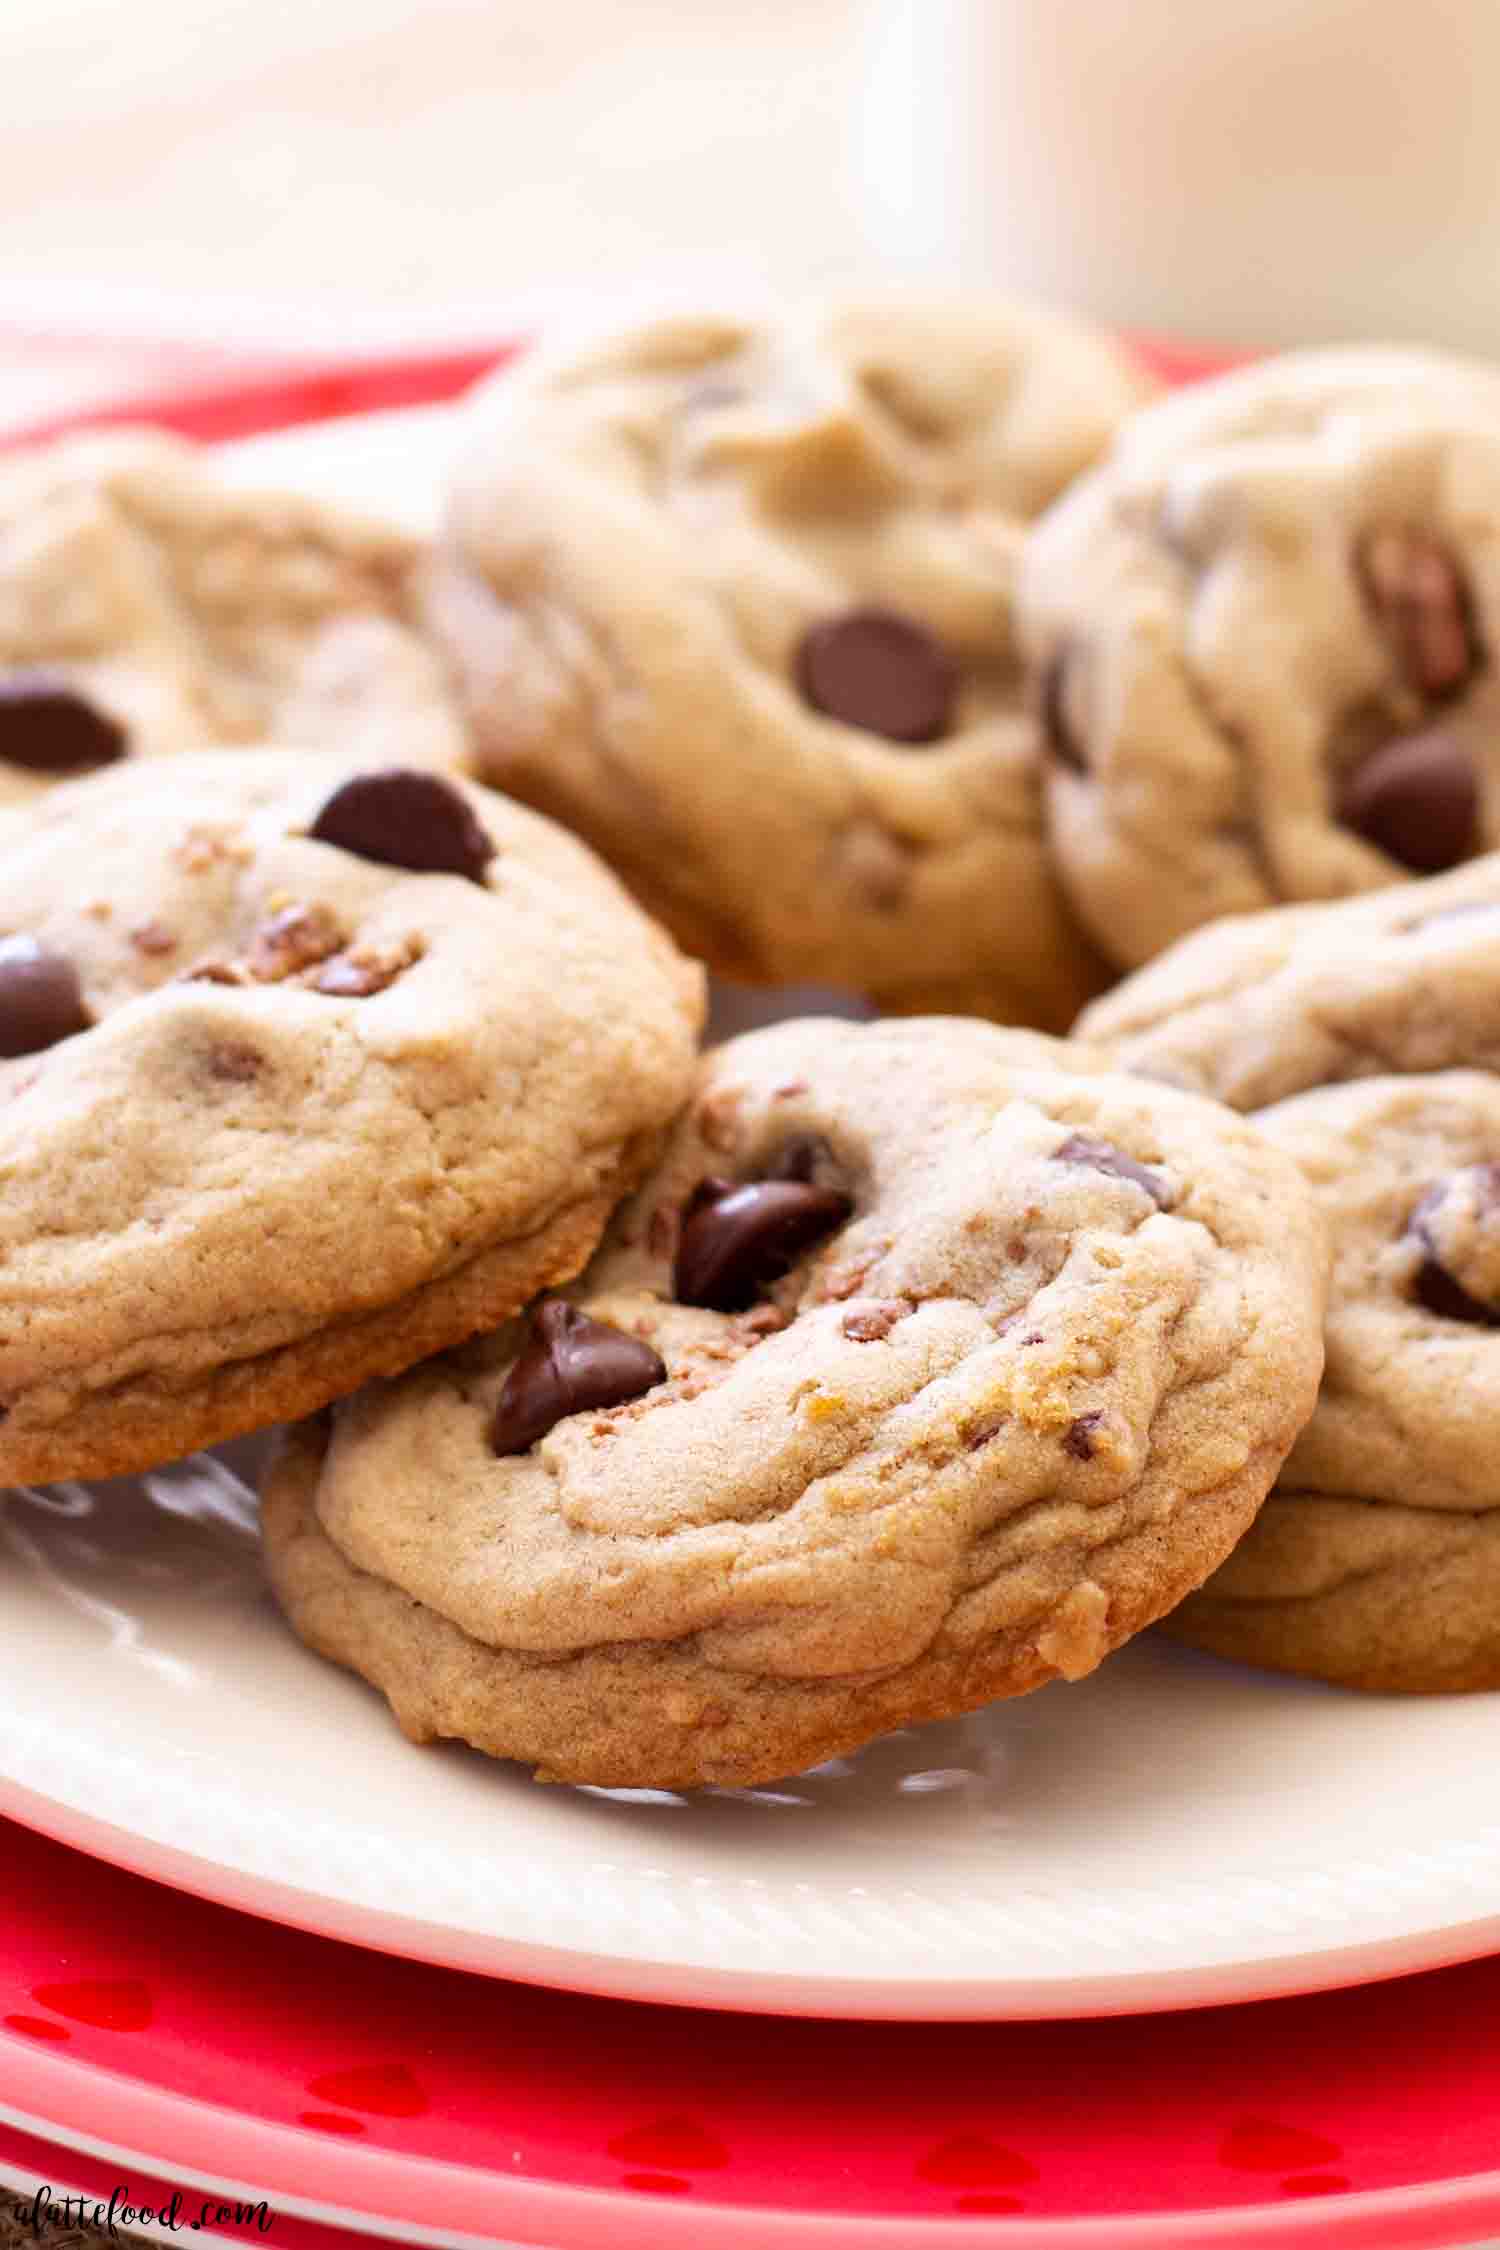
x=1363 y=1038
x=1260 y=635
x=929 y=1364
x=148 y=605
x=1376 y=1561
x=1261 y=1006
x=733 y=600
x=307 y=1068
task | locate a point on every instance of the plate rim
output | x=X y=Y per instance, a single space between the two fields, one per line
x=663 y=1981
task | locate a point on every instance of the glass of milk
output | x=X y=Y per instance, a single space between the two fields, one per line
x=1243 y=171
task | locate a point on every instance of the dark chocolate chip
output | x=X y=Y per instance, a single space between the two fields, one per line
x=40 y=1000
x=1058 y=736
x=48 y=727
x=1417 y=799
x=1079 y=1439
x=1103 y=1156
x=1434 y=1286
x=569 y=1363
x=710 y=1190
x=799 y=1158
x=1420 y=603
x=874 y=668
x=405 y=818
x=736 y=1240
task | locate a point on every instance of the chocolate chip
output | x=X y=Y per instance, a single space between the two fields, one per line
x=799 y=1158
x=874 y=668
x=1079 y=1438
x=1435 y=1287
x=48 y=727
x=736 y=1239
x=40 y=1000
x=1103 y=1156
x=569 y=1363
x=405 y=818
x=1421 y=606
x=1058 y=736
x=1441 y=1294
x=1417 y=799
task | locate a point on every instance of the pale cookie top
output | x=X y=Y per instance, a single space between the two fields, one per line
x=1265 y=1005
x=1262 y=636
x=923 y=1338
x=734 y=600
x=1406 y=1173
x=255 y=1080
x=147 y=605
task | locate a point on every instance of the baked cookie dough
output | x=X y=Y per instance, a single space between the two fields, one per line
x=929 y=1364
x=1376 y=1560
x=1365 y=1039
x=147 y=605
x=1262 y=636
x=308 y=1067
x=1260 y=1006
x=733 y=600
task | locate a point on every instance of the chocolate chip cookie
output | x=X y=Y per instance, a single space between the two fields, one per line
x=929 y=1364
x=308 y=1067
x=1371 y=1028
x=733 y=600
x=1376 y=1560
x=1260 y=1006
x=147 y=605
x=1262 y=636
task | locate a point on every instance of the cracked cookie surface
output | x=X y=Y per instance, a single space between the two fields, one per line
x=1263 y=637
x=309 y=1067
x=733 y=599
x=929 y=1364
x=149 y=605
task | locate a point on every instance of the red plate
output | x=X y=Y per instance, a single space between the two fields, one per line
x=161 y=2034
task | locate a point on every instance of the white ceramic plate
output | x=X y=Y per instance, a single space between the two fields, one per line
x=1170 y=1832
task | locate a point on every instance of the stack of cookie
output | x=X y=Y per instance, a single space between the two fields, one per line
x=666 y=1417
x=1261 y=634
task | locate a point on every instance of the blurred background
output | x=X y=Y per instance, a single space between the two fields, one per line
x=309 y=174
